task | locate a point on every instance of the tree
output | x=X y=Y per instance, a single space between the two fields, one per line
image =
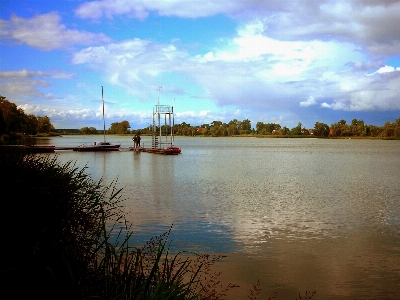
x=232 y=130
x=296 y=130
x=340 y=129
x=216 y=123
x=88 y=130
x=216 y=128
x=31 y=125
x=388 y=130
x=321 y=129
x=357 y=128
x=13 y=120
x=44 y=125
x=259 y=127
x=233 y=127
x=267 y=128
x=2 y=123
x=13 y=117
x=245 y=127
x=119 y=127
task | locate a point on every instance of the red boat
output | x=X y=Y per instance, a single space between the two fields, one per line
x=173 y=149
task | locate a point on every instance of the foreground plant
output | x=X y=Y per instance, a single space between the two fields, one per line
x=152 y=272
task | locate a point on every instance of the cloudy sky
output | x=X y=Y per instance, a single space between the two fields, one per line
x=269 y=61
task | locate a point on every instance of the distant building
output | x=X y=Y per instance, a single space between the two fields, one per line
x=307 y=131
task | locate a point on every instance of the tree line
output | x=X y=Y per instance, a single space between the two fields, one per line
x=13 y=120
x=357 y=128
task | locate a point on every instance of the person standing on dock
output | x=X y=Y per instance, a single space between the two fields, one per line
x=135 y=139
x=138 y=141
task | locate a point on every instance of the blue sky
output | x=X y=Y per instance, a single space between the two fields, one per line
x=267 y=61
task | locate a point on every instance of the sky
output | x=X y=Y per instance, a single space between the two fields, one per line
x=268 y=61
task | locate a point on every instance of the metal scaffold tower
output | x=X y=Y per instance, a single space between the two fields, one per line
x=163 y=123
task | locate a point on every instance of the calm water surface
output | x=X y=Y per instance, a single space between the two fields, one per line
x=298 y=214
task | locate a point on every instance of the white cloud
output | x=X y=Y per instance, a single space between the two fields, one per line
x=251 y=69
x=25 y=83
x=310 y=101
x=386 y=69
x=374 y=24
x=269 y=66
x=141 y=8
x=46 y=33
x=366 y=93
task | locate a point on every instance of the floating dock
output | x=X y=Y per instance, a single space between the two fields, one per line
x=29 y=148
x=162 y=141
x=165 y=151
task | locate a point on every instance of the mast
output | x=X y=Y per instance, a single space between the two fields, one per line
x=104 y=122
x=173 y=123
x=158 y=108
x=159 y=88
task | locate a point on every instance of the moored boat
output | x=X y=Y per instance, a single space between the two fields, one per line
x=173 y=149
x=98 y=146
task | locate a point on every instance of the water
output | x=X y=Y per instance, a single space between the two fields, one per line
x=298 y=214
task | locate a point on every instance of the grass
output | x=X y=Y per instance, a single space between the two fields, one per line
x=65 y=237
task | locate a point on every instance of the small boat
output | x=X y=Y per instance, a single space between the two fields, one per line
x=173 y=150
x=98 y=146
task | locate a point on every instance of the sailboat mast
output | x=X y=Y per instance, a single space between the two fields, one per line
x=104 y=122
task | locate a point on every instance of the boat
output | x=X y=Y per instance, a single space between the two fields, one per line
x=173 y=150
x=99 y=146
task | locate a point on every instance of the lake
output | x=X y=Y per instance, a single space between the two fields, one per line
x=299 y=214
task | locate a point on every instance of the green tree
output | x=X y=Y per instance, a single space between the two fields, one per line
x=216 y=128
x=185 y=129
x=31 y=125
x=341 y=129
x=2 y=123
x=259 y=127
x=296 y=130
x=245 y=127
x=357 y=128
x=389 y=130
x=12 y=116
x=44 y=125
x=267 y=128
x=397 y=128
x=13 y=120
x=321 y=129
x=88 y=130
x=233 y=127
x=119 y=127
